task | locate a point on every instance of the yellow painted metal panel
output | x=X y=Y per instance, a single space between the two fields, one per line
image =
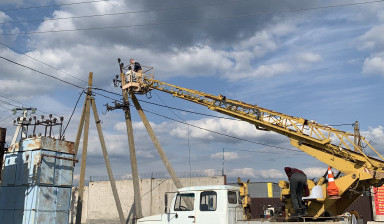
x=270 y=190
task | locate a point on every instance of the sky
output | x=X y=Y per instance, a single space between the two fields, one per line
x=320 y=60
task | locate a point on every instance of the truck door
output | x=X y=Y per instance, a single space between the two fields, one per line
x=184 y=209
x=209 y=211
x=232 y=206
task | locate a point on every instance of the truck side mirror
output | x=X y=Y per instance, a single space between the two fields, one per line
x=165 y=203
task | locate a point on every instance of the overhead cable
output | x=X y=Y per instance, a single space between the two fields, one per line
x=123 y=13
x=191 y=20
x=219 y=133
x=183 y=122
x=32 y=69
x=255 y=151
x=73 y=111
x=188 y=111
x=13 y=49
x=50 y=6
x=165 y=106
x=13 y=100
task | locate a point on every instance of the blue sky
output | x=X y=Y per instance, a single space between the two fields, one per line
x=302 y=58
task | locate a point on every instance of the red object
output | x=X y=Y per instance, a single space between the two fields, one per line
x=378 y=193
x=332 y=189
x=289 y=171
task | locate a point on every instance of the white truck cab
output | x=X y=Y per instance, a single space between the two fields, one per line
x=217 y=204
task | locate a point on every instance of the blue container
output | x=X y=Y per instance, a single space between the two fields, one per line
x=37 y=182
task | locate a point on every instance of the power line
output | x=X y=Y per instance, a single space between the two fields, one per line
x=8 y=103
x=188 y=111
x=50 y=6
x=218 y=133
x=24 y=105
x=255 y=151
x=43 y=62
x=73 y=111
x=123 y=13
x=165 y=106
x=184 y=122
x=191 y=20
x=170 y=109
x=32 y=69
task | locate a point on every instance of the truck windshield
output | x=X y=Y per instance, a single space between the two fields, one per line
x=180 y=203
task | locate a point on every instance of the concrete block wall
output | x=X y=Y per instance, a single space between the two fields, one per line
x=99 y=205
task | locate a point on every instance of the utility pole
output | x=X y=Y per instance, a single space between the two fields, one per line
x=84 y=123
x=147 y=125
x=357 y=139
x=84 y=118
x=132 y=150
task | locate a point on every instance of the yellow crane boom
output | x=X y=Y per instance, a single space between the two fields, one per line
x=327 y=144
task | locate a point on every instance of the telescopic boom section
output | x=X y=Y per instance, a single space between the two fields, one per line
x=332 y=146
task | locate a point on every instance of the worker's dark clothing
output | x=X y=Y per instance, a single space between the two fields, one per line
x=289 y=171
x=136 y=67
x=298 y=182
x=297 y=185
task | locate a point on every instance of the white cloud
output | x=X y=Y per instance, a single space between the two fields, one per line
x=252 y=173
x=372 y=40
x=376 y=135
x=374 y=65
x=308 y=57
x=271 y=70
x=3 y=17
x=210 y=172
x=243 y=172
x=228 y=156
x=144 y=154
x=234 y=128
x=271 y=173
x=25 y=86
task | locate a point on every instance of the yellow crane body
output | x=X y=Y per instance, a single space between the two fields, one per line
x=334 y=147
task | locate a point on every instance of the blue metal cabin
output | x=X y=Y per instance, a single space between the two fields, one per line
x=37 y=178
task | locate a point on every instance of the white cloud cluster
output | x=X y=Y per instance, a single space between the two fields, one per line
x=228 y=156
x=253 y=173
x=376 y=135
x=373 y=42
x=205 y=129
x=3 y=17
x=311 y=172
x=374 y=65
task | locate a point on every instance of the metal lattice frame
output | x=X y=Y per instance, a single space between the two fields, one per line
x=322 y=137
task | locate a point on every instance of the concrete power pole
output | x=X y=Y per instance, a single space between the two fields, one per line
x=84 y=123
x=357 y=139
x=132 y=152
